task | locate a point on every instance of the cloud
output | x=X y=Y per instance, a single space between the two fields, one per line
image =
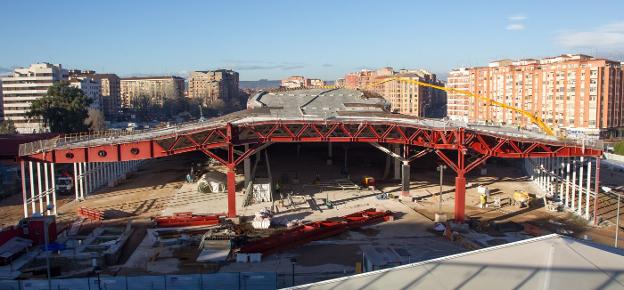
x=515 y=27
x=518 y=17
x=606 y=38
x=327 y=65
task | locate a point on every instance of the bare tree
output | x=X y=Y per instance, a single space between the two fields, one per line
x=95 y=121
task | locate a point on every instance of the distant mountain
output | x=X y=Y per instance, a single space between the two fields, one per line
x=260 y=84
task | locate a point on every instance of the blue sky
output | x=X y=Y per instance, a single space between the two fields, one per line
x=275 y=39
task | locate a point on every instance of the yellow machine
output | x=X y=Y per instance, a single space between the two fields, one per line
x=534 y=119
x=522 y=198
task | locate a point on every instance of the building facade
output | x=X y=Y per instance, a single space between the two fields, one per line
x=457 y=103
x=110 y=91
x=157 y=89
x=294 y=82
x=24 y=86
x=404 y=98
x=577 y=95
x=92 y=88
x=211 y=86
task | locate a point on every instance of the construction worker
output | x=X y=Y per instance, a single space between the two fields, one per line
x=482 y=200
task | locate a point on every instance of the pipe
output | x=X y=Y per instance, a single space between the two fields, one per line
x=47 y=187
x=588 y=189
x=32 y=187
x=39 y=187
x=596 y=189
x=53 y=175
x=76 y=180
x=580 y=195
x=24 y=195
x=573 y=195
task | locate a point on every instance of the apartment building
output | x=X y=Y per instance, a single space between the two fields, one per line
x=214 y=85
x=294 y=82
x=412 y=99
x=404 y=98
x=574 y=94
x=156 y=88
x=312 y=83
x=458 y=104
x=91 y=88
x=25 y=85
x=109 y=91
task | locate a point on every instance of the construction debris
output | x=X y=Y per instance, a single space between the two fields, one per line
x=186 y=219
x=262 y=219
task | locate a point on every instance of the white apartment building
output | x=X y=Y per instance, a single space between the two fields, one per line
x=458 y=104
x=92 y=88
x=24 y=86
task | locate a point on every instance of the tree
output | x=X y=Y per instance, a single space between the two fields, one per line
x=143 y=107
x=7 y=127
x=63 y=109
x=95 y=121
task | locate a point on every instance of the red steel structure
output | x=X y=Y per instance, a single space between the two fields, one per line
x=461 y=148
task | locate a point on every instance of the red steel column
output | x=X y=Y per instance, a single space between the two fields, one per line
x=460 y=180
x=231 y=188
x=231 y=182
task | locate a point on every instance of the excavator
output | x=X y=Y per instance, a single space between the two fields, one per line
x=534 y=119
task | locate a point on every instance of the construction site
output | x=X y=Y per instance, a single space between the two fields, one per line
x=303 y=186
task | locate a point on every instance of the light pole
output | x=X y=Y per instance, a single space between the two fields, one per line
x=617 y=215
x=441 y=168
x=293 y=261
x=46 y=245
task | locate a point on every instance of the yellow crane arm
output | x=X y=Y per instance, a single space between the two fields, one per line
x=534 y=119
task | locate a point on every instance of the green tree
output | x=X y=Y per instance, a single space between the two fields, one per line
x=63 y=109
x=7 y=127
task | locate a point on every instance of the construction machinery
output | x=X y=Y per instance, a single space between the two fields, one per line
x=533 y=118
x=522 y=198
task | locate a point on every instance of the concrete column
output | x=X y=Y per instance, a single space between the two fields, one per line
x=573 y=186
x=567 y=183
x=561 y=178
x=580 y=192
x=76 y=190
x=39 y=186
x=24 y=193
x=397 y=162
x=589 y=166
x=48 y=190
x=247 y=168
x=53 y=176
x=405 y=180
x=32 y=187
x=330 y=156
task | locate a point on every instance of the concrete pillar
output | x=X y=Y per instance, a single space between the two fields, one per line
x=330 y=156
x=397 y=162
x=32 y=187
x=53 y=176
x=589 y=166
x=573 y=186
x=39 y=186
x=247 y=168
x=567 y=183
x=405 y=180
x=24 y=193
x=76 y=190
x=48 y=190
x=580 y=191
x=561 y=179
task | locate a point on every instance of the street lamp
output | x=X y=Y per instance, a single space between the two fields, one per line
x=441 y=168
x=617 y=214
x=46 y=244
x=293 y=261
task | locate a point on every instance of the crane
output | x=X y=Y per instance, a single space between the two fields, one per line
x=534 y=119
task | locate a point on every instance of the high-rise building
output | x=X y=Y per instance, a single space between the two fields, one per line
x=110 y=91
x=214 y=85
x=25 y=85
x=157 y=89
x=574 y=94
x=404 y=98
x=412 y=99
x=457 y=103
x=92 y=88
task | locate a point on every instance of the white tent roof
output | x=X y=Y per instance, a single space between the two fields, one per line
x=547 y=262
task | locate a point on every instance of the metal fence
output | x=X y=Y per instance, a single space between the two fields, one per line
x=226 y=281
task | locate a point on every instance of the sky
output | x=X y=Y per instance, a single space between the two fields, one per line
x=267 y=39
